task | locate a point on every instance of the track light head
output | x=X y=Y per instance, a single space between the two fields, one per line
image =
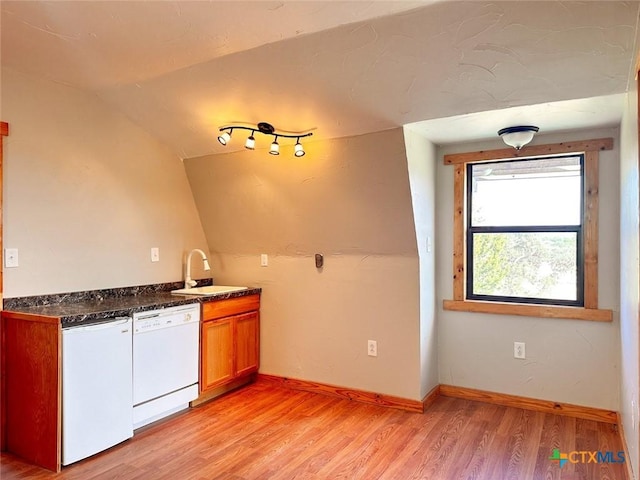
x=224 y=137
x=298 y=150
x=250 y=144
x=275 y=148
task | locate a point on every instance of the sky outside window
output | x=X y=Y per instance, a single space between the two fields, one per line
x=534 y=192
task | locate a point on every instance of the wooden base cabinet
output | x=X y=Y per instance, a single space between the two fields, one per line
x=230 y=341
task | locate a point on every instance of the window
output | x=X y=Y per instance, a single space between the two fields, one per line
x=525 y=232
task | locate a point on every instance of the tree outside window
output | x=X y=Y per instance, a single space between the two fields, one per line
x=524 y=230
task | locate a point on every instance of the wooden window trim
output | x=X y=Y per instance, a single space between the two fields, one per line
x=590 y=311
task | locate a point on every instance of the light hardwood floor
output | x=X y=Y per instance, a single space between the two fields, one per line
x=268 y=432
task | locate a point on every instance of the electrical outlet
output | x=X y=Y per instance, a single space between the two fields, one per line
x=264 y=260
x=155 y=254
x=10 y=257
x=518 y=350
x=372 y=348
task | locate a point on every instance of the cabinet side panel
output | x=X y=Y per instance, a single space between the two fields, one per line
x=32 y=355
x=3 y=388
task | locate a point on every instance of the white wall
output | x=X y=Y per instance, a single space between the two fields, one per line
x=421 y=161
x=87 y=194
x=350 y=200
x=629 y=278
x=567 y=361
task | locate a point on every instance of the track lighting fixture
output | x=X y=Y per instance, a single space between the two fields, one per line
x=518 y=137
x=266 y=129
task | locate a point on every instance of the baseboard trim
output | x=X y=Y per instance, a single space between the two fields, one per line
x=430 y=397
x=546 y=406
x=219 y=391
x=347 y=393
x=623 y=439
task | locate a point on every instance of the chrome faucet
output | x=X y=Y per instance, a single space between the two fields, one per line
x=188 y=283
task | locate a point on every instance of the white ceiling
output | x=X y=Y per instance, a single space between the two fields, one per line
x=578 y=114
x=181 y=69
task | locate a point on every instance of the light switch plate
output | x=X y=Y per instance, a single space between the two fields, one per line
x=155 y=254
x=10 y=257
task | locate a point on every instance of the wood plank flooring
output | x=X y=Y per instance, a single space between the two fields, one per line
x=265 y=432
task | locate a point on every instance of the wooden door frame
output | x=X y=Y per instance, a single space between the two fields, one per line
x=638 y=153
x=4 y=131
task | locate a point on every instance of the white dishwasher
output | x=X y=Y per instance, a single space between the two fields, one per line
x=96 y=388
x=165 y=361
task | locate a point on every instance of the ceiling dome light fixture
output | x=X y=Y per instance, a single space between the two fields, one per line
x=518 y=137
x=266 y=129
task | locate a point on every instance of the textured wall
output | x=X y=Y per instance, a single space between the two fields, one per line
x=348 y=199
x=87 y=194
x=568 y=361
x=629 y=279
x=421 y=161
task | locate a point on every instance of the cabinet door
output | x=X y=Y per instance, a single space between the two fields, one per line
x=247 y=343
x=216 y=365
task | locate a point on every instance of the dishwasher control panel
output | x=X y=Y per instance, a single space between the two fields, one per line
x=165 y=318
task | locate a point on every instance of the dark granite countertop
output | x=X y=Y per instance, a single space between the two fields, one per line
x=96 y=306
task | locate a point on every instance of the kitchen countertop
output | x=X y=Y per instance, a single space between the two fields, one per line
x=96 y=306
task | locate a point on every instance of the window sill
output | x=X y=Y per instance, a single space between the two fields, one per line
x=544 y=311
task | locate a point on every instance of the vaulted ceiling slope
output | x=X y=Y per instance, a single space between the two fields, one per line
x=182 y=69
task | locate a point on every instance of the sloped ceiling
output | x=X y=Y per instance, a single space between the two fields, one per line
x=182 y=69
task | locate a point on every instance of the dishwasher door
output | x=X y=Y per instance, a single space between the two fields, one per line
x=97 y=388
x=165 y=361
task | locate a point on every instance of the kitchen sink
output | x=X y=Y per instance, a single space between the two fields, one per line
x=210 y=290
